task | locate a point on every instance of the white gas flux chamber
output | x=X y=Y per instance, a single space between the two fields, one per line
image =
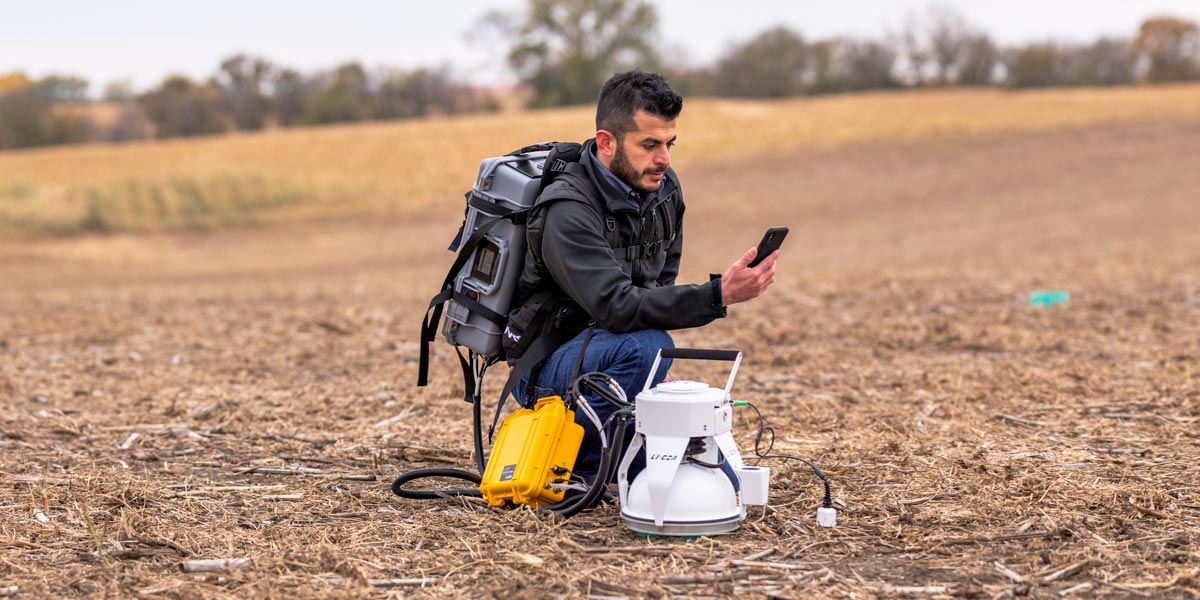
x=695 y=482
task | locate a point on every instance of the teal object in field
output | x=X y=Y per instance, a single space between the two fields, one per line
x=1049 y=298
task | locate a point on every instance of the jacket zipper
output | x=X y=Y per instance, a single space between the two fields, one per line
x=636 y=272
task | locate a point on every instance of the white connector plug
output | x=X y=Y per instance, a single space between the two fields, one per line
x=826 y=517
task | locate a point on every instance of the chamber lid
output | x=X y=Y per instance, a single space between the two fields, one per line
x=681 y=386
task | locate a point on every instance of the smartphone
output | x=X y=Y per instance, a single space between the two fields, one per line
x=771 y=242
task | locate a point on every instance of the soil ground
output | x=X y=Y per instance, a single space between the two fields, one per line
x=249 y=394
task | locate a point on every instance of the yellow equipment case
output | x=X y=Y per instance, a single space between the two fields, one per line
x=533 y=449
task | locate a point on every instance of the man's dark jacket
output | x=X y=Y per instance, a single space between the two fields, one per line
x=570 y=253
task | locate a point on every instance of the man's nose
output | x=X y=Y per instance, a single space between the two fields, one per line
x=662 y=158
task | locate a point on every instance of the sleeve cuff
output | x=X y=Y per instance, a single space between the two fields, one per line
x=718 y=308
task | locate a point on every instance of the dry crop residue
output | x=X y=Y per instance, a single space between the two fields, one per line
x=248 y=394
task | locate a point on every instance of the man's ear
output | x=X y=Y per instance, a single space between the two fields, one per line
x=606 y=143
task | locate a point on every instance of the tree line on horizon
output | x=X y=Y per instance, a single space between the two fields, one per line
x=563 y=50
x=245 y=94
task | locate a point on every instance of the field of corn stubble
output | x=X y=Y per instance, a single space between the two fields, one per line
x=247 y=393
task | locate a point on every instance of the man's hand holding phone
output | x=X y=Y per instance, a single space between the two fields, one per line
x=754 y=272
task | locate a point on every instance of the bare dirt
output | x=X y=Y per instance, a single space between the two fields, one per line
x=249 y=394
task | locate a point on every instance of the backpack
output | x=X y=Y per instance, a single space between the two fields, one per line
x=478 y=290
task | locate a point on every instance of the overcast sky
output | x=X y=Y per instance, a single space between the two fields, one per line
x=144 y=40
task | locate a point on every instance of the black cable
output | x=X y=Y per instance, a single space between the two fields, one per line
x=477 y=420
x=398 y=484
x=764 y=428
x=599 y=384
x=480 y=462
x=697 y=461
x=609 y=456
x=696 y=446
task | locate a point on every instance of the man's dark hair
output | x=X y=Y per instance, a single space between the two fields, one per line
x=626 y=93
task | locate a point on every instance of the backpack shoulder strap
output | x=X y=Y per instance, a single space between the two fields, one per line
x=560 y=157
x=545 y=342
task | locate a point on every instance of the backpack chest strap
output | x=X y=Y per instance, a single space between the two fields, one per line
x=632 y=253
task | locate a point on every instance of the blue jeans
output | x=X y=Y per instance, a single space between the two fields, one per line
x=626 y=357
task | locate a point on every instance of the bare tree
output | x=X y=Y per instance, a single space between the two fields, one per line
x=692 y=81
x=64 y=88
x=244 y=94
x=977 y=64
x=941 y=47
x=290 y=91
x=1035 y=65
x=947 y=37
x=407 y=94
x=180 y=107
x=566 y=49
x=1106 y=61
x=914 y=51
x=867 y=65
x=823 y=74
x=772 y=65
x=28 y=118
x=342 y=95
x=1171 y=46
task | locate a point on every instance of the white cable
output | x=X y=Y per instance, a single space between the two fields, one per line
x=617 y=389
x=590 y=413
x=579 y=487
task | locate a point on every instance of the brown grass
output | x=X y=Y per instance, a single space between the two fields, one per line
x=348 y=169
x=979 y=447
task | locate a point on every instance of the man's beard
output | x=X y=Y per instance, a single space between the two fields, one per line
x=624 y=170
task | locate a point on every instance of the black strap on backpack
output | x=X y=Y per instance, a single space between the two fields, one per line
x=561 y=154
x=540 y=350
x=538 y=320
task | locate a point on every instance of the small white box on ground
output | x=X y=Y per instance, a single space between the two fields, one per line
x=826 y=517
x=755 y=484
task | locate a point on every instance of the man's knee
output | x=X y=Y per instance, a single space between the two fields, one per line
x=658 y=339
x=637 y=352
x=643 y=345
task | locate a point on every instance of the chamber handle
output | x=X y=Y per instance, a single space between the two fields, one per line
x=697 y=354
